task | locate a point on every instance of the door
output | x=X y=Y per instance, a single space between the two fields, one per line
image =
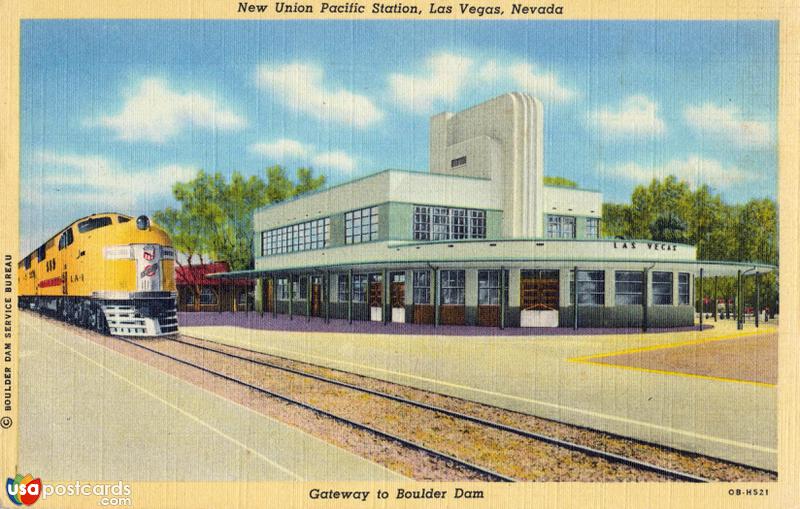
x=397 y=294
x=539 y=291
x=316 y=296
x=490 y=288
x=376 y=297
x=268 y=297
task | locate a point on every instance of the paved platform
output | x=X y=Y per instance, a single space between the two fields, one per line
x=543 y=376
x=90 y=413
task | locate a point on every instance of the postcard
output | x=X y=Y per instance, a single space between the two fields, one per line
x=399 y=254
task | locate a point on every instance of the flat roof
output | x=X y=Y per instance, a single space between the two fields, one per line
x=366 y=177
x=710 y=268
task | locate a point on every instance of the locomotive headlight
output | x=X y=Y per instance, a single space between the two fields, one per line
x=143 y=222
x=118 y=253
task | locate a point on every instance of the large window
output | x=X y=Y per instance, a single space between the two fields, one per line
x=592 y=228
x=361 y=225
x=300 y=288
x=662 y=288
x=314 y=234
x=628 y=287
x=443 y=223
x=683 y=288
x=561 y=227
x=343 y=288
x=452 y=287
x=282 y=288
x=489 y=284
x=591 y=288
x=422 y=287
x=208 y=297
x=360 y=288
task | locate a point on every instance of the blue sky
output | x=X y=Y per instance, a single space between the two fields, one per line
x=114 y=112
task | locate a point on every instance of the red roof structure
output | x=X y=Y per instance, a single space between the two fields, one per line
x=196 y=275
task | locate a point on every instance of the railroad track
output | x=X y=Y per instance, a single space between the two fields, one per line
x=571 y=446
x=482 y=471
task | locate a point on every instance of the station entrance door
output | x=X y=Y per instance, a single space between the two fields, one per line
x=397 y=295
x=539 y=292
x=376 y=297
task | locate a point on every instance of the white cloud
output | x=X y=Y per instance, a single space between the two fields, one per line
x=337 y=160
x=527 y=78
x=727 y=124
x=155 y=112
x=282 y=149
x=637 y=117
x=443 y=79
x=446 y=76
x=287 y=149
x=301 y=87
x=97 y=180
x=694 y=169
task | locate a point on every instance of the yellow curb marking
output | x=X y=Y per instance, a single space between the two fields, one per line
x=589 y=359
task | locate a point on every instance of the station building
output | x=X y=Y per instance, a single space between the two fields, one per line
x=479 y=239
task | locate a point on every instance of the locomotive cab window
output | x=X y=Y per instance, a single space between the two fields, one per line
x=93 y=224
x=66 y=239
x=41 y=253
x=123 y=219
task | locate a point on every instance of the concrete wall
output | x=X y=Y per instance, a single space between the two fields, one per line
x=567 y=201
x=501 y=138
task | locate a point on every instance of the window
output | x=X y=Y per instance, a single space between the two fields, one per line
x=459 y=161
x=662 y=288
x=208 y=296
x=452 y=287
x=123 y=219
x=489 y=284
x=592 y=228
x=422 y=287
x=477 y=224
x=93 y=224
x=305 y=236
x=628 y=287
x=66 y=239
x=361 y=225
x=41 y=253
x=443 y=223
x=27 y=262
x=560 y=227
x=591 y=288
x=300 y=288
x=683 y=288
x=342 y=288
x=282 y=289
x=440 y=229
x=359 y=288
x=422 y=223
x=458 y=223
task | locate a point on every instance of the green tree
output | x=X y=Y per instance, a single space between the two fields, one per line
x=214 y=220
x=670 y=210
x=668 y=228
x=559 y=182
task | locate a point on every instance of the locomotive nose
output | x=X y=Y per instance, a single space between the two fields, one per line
x=143 y=222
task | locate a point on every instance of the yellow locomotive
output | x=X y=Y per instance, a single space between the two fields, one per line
x=107 y=272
